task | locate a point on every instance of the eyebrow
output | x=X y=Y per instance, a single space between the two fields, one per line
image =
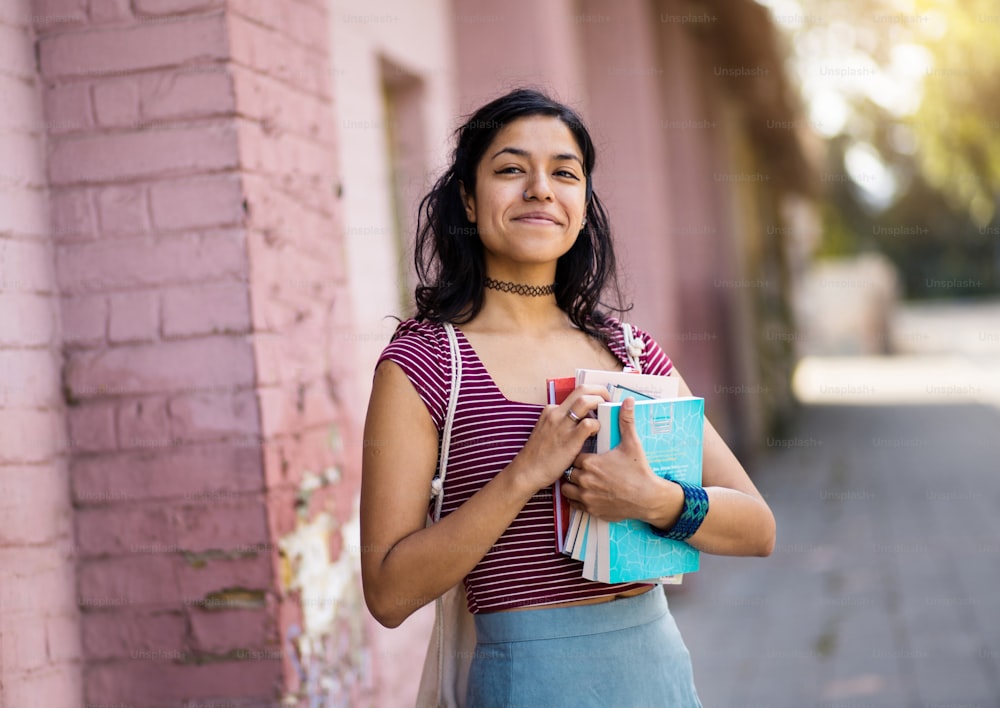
x=524 y=153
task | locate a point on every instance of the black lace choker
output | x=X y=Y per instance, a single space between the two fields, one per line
x=520 y=289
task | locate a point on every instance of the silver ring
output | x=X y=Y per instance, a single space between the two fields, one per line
x=573 y=416
x=568 y=474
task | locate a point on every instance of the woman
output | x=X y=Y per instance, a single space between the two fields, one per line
x=514 y=248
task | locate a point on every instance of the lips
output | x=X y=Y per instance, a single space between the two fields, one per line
x=538 y=217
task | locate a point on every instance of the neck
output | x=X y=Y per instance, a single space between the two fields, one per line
x=508 y=311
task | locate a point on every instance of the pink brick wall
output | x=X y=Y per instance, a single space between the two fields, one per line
x=299 y=305
x=197 y=257
x=40 y=649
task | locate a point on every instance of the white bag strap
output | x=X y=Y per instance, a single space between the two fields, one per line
x=634 y=347
x=437 y=484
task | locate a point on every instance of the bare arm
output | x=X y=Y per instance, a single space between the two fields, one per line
x=405 y=565
x=620 y=484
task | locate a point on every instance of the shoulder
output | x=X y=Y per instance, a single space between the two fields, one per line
x=421 y=350
x=652 y=357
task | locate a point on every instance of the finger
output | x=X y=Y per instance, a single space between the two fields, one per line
x=584 y=429
x=586 y=393
x=626 y=425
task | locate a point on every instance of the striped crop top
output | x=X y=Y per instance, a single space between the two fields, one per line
x=523 y=568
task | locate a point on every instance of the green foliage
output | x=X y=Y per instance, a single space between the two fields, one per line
x=958 y=122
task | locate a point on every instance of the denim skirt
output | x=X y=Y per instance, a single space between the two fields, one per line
x=627 y=652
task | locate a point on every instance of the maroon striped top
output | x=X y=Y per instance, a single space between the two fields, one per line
x=523 y=568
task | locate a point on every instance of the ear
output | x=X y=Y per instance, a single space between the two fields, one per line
x=470 y=203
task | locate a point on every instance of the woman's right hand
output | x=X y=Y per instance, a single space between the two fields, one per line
x=558 y=435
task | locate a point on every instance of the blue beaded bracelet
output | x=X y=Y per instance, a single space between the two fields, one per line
x=694 y=512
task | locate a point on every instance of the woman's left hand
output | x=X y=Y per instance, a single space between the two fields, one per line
x=620 y=484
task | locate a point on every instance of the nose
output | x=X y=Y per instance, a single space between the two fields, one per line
x=538 y=187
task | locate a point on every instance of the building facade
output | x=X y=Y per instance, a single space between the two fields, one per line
x=206 y=211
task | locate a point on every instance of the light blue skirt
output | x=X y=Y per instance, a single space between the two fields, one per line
x=627 y=653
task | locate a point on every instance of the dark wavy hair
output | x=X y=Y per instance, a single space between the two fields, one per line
x=448 y=253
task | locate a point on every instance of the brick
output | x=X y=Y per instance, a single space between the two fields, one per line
x=23 y=647
x=174 y=7
x=59 y=685
x=41 y=514
x=143 y=154
x=62 y=637
x=148 y=683
x=24 y=159
x=197 y=203
x=293 y=406
x=271 y=53
x=219 y=632
x=30 y=378
x=127 y=581
x=23 y=109
x=303 y=23
x=28 y=319
x=116 y=103
x=134 y=316
x=16 y=14
x=125 y=530
x=217 y=574
x=118 y=635
x=115 y=51
x=23 y=212
x=17 y=54
x=235 y=528
x=73 y=215
x=92 y=427
x=84 y=319
x=222 y=308
x=191 y=472
x=192 y=94
x=123 y=210
x=37 y=580
x=110 y=11
x=212 y=415
x=143 y=424
x=56 y=15
x=146 y=262
x=26 y=266
x=167 y=366
x=30 y=436
x=68 y=108
x=274 y=103
x=306 y=167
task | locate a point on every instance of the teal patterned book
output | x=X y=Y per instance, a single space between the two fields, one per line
x=672 y=435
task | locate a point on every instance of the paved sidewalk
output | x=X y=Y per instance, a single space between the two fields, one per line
x=884 y=588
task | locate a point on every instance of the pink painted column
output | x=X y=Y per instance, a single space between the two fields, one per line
x=159 y=375
x=40 y=652
x=306 y=376
x=198 y=258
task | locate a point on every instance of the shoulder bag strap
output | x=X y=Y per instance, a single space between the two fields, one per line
x=437 y=484
x=634 y=348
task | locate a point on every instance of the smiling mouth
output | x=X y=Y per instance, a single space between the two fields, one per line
x=540 y=219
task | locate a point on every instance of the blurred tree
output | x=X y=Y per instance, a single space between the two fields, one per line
x=908 y=94
x=957 y=124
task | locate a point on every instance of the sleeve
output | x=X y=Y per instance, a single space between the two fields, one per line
x=416 y=347
x=654 y=359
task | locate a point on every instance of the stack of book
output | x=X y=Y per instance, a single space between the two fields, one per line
x=671 y=429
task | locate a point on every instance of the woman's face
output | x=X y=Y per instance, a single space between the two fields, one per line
x=530 y=196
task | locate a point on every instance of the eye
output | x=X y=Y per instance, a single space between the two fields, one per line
x=567 y=173
x=512 y=170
